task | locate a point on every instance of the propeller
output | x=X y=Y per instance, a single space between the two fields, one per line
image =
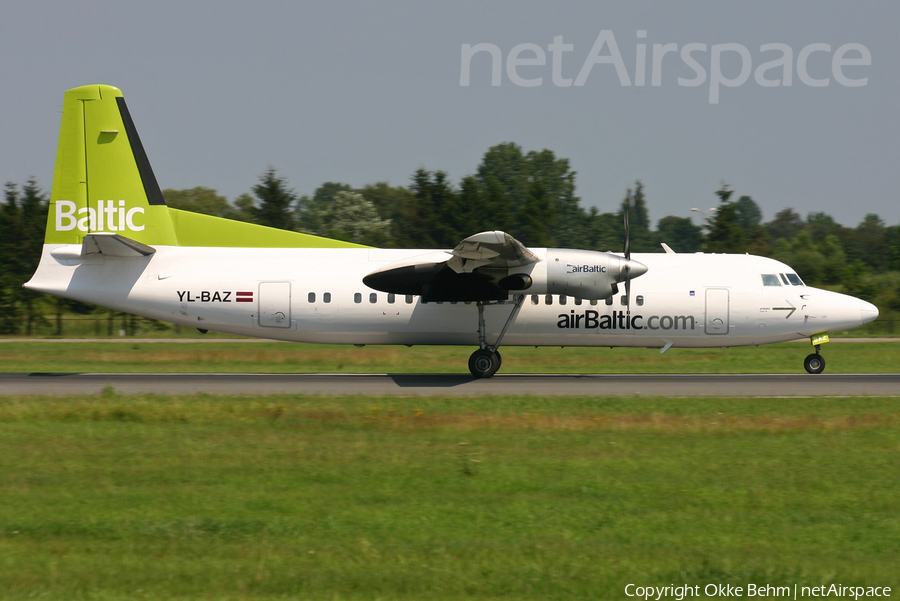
x=627 y=208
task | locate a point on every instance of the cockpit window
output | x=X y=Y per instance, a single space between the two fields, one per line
x=795 y=279
x=770 y=279
x=784 y=279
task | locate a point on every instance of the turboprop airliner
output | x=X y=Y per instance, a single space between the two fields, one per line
x=112 y=241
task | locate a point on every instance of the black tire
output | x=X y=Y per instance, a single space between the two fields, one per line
x=814 y=364
x=484 y=363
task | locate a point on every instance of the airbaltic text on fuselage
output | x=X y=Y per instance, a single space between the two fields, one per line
x=586 y=268
x=106 y=217
x=620 y=320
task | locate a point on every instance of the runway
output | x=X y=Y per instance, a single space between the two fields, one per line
x=662 y=385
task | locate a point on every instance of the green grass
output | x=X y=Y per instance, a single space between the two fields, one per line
x=271 y=357
x=442 y=498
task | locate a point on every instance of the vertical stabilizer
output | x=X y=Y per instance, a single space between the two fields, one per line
x=103 y=181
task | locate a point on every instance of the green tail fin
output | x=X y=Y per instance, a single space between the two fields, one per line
x=103 y=182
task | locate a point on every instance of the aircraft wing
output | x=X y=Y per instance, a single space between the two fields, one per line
x=490 y=249
x=474 y=270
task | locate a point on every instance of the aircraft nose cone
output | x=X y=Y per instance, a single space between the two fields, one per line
x=867 y=312
x=635 y=268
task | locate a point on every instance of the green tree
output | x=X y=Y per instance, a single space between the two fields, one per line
x=537 y=216
x=835 y=259
x=307 y=210
x=787 y=224
x=431 y=218
x=507 y=177
x=821 y=225
x=726 y=235
x=872 y=243
x=802 y=255
x=11 y=258
x=274 y=206
x=392 y=203
x=24 y=214
x=749 y=215
x=680 y=234
x=203 y=200
x=352 y=218
x=606 y=231
x=642 y=239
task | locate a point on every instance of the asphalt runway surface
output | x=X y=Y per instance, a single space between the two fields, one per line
x=620 y=385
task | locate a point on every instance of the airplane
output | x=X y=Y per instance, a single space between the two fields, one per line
x=112 y=241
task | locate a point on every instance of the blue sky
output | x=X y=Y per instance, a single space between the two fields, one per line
x=360 y=92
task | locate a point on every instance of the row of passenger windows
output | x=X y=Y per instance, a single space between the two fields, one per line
x=535 y=299
x=358 y=297
x=791 y=279
x=548 y=300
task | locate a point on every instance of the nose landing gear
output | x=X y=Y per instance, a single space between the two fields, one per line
x=814 y=363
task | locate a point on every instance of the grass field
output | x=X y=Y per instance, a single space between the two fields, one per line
x=442 y=498
x=272 y=357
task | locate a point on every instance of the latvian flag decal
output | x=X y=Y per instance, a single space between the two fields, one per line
x=243 y=297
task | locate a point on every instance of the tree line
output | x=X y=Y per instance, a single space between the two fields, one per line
x=531 y=195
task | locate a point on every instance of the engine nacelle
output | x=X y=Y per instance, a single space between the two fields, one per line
x=586 y=274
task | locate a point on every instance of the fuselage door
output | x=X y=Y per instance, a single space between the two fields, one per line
x=717 y=302
x=275 y=304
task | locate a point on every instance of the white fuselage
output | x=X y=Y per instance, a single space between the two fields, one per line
x=317 y=295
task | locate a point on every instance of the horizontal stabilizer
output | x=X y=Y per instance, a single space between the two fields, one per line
x=114 y=245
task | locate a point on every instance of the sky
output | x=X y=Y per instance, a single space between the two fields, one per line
x=369 y=91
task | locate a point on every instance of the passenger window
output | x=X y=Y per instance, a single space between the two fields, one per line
x=770 y=279
x=311 y=297
x=326 y=297
x=534 y=299
x=639 y=299
x=373 y=298
x=609 y=302
x=784 y=279
x=562 y=299
x=594 y=303
x=357 y=298
x=623 y=300
x=391 y=298
x=577 y=301
x=409 y=299
x=795 y=279
x=548 y=300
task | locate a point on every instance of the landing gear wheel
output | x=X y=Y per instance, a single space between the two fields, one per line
x=814 y=364
x=484 y=363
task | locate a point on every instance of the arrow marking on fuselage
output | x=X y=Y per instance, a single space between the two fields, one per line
x=792 y=308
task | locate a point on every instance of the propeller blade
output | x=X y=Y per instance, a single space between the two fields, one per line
x=627 y=257
x=628 y=292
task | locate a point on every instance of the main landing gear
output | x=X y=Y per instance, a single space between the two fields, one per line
x=485 y=362
x=815 y=363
